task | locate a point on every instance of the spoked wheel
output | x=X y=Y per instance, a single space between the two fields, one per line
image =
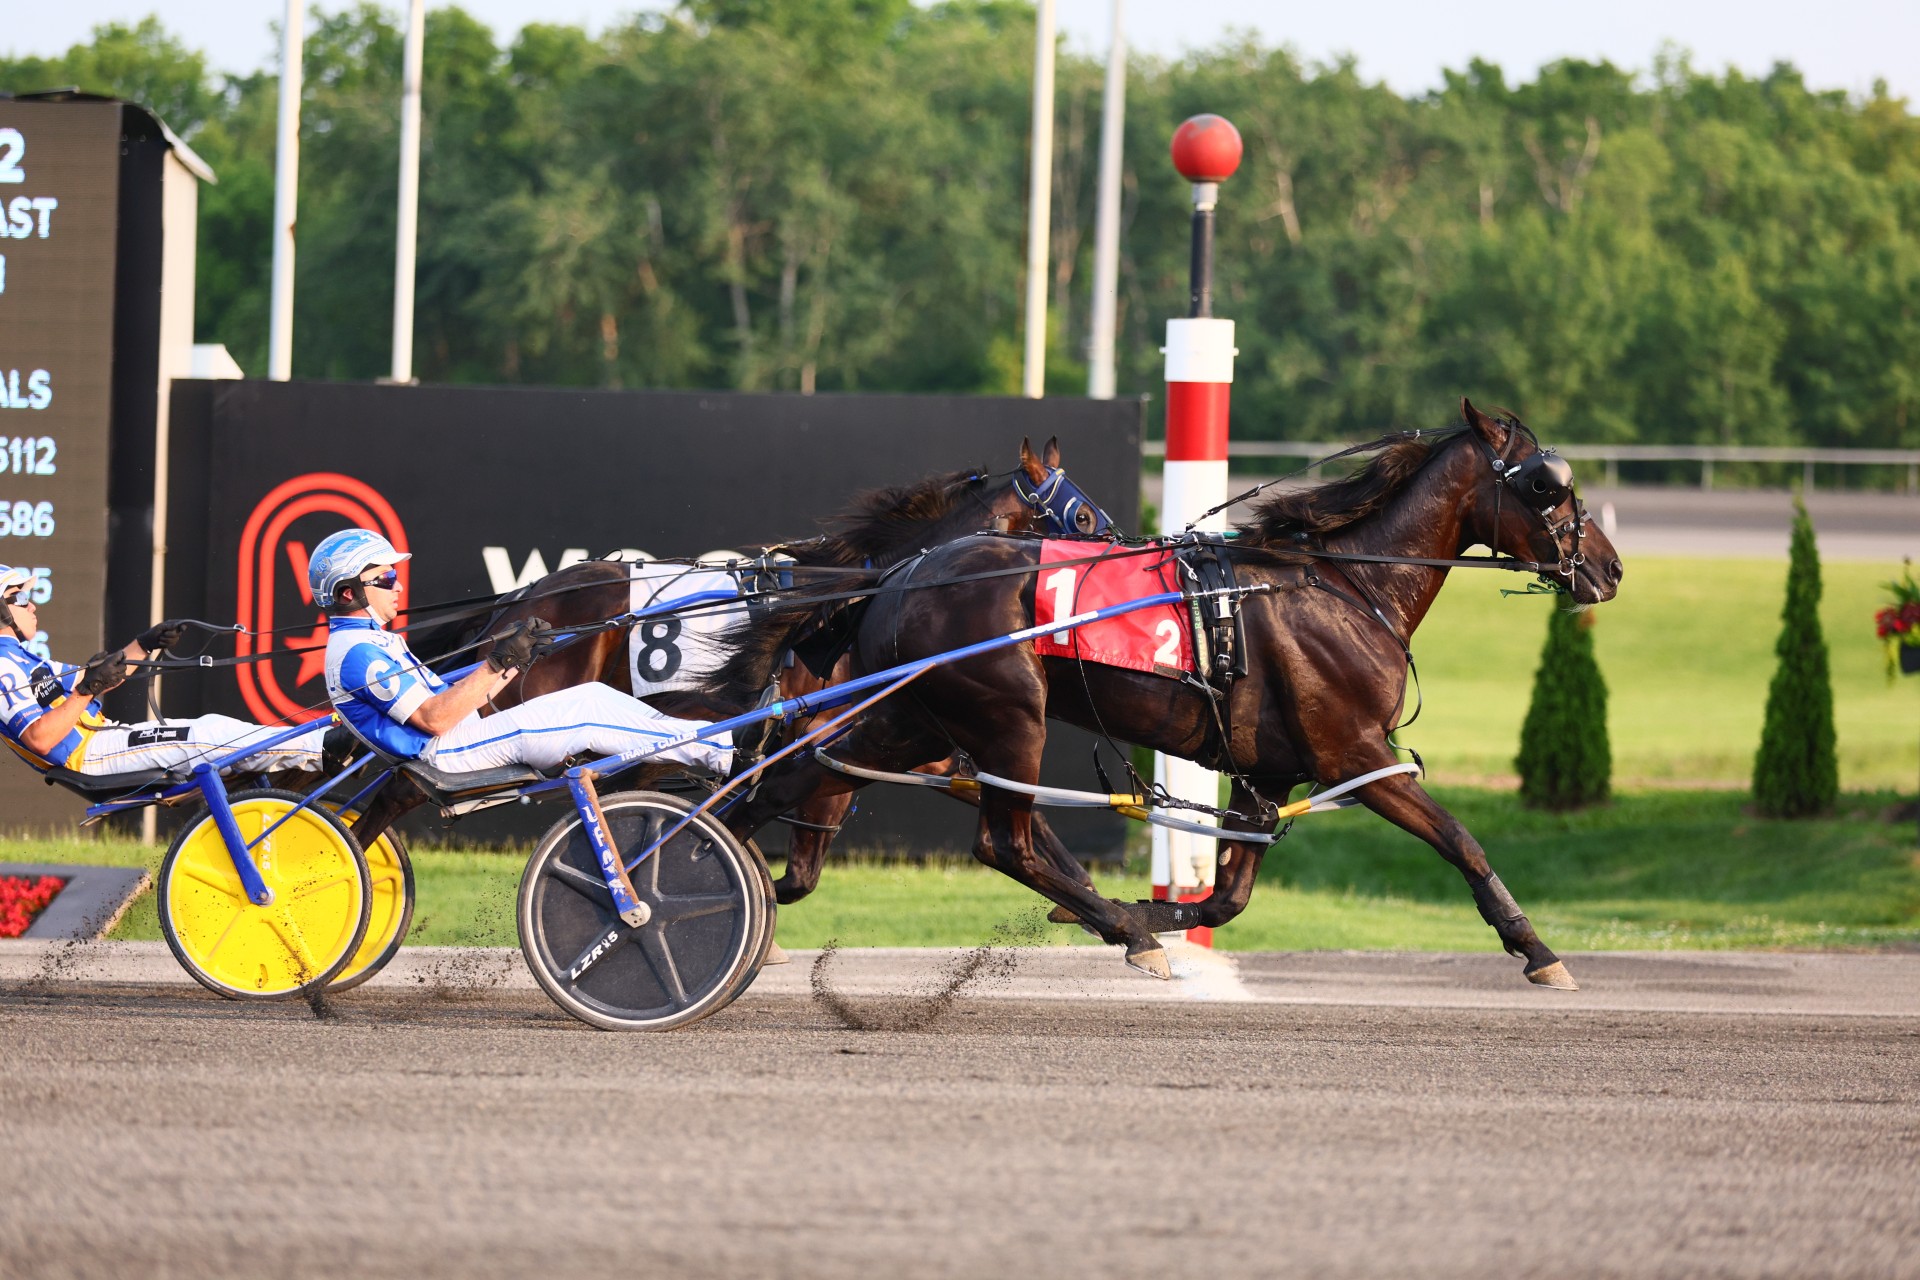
x=299 y=941
x=390 y=877
x=708 y=923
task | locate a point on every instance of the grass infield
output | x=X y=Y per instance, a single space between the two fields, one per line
x=1654 y=870
x=1687 y=652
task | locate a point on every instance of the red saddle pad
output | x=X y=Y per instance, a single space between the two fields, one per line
x=1153 y=640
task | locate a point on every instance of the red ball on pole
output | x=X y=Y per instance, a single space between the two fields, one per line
x=1206 y=148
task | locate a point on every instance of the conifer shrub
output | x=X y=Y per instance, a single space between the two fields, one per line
x=1565 y=760
x=1796 y=774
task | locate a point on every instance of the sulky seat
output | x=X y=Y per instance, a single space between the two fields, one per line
x=91 y=785
x=440 y=784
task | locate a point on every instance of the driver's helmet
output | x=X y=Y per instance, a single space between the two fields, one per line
x=13 y=578
x=14 y=583
x=342 y=557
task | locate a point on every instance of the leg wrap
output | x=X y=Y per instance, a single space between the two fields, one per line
x=1497 y=906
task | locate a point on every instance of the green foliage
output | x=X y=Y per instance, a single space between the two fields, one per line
x=1565 y=761
x=1796 y=773
x=830 y=195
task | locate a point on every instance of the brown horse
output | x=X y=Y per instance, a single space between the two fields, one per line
x=880 y=529
x=1326 y=659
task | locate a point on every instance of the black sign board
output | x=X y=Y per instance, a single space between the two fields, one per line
x=491 y=487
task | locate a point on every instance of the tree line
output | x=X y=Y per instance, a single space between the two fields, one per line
x=830 y=195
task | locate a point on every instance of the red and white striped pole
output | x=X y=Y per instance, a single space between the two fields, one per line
x=1199 y=351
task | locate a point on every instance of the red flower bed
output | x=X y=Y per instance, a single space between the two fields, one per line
x=22 y=899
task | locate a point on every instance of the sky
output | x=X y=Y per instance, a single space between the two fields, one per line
x=1838 y=44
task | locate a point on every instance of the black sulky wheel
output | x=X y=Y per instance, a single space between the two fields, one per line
x=709 y=918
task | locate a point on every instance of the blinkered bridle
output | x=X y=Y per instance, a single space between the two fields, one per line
x=1063 y=508
x=1540 y=482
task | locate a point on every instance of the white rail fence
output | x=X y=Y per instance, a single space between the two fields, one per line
x=1704 y=456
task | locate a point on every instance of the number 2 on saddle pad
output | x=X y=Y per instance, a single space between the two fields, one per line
x=1153 y=640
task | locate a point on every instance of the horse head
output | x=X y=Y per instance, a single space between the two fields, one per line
x=1058 y=505
x=1526 y=496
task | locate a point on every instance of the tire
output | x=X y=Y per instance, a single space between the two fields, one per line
x=390 y=879
x=293 y=945
x=671 y=971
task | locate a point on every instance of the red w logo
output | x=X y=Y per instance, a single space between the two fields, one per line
x=273 y=585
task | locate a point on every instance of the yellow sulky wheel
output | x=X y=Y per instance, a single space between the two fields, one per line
x=303 y=938
x=390 y=872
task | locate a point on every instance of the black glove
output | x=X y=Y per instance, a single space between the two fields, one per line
x=521 y=645
x=103 y=671
x=161 y=636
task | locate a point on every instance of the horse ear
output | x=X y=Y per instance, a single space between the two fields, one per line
x=1053 y=452
x=1492 y=431
x=1036 y=472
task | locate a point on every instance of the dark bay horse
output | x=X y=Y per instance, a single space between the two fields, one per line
x=1326 y=659
x=879 y=529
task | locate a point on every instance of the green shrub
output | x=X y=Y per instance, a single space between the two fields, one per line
x=1565 y=760
x=1797 y=774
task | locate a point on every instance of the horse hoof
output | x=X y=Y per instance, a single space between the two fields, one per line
x=1553 y=975
x=1062 y=915
x=775 y=955
x=1150 y=959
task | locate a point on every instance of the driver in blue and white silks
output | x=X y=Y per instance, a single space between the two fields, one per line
x=50 y=712
x=395 y=703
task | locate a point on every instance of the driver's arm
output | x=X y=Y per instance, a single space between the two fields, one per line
x=44 y=734
x=448 y=708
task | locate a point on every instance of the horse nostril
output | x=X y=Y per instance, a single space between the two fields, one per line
x=1616 y=569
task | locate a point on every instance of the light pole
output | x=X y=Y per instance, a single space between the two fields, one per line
x=286 y=196
x=407 y=223
x=1106 y=221
x=1033 y=379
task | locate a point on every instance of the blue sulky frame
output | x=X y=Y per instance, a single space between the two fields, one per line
x=579 y=780
x=209 y=782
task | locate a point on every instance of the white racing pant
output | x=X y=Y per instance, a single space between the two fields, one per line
x=182 y=744
x=595 y=719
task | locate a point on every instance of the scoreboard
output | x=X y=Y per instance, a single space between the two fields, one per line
x=97 y=205
x=59 y=197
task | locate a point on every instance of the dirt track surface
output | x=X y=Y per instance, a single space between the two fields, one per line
x=446 y=1131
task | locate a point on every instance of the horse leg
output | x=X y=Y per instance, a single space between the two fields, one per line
x=1405 y=803
x=1048 y=841
x=1005 y=843
x=807 y=848
x=398 y=797
x=1237 y=865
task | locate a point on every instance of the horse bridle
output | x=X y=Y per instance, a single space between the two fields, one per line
x=1058 y=502
x=1540 y=481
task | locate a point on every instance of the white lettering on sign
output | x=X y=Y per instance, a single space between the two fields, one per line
x=26 y=519
x=20 y=221
x=1168 y=654
x=39 y=390
x=28 y=455
x=1060 y=582
x=502 y=578
x=13 y=149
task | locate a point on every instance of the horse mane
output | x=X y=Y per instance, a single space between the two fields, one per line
x=881 y=525
x=1335 y=504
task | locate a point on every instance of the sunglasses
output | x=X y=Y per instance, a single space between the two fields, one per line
x=388 y=581
x=15 y=602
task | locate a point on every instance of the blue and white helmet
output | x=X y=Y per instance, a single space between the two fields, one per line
x=342 y=557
